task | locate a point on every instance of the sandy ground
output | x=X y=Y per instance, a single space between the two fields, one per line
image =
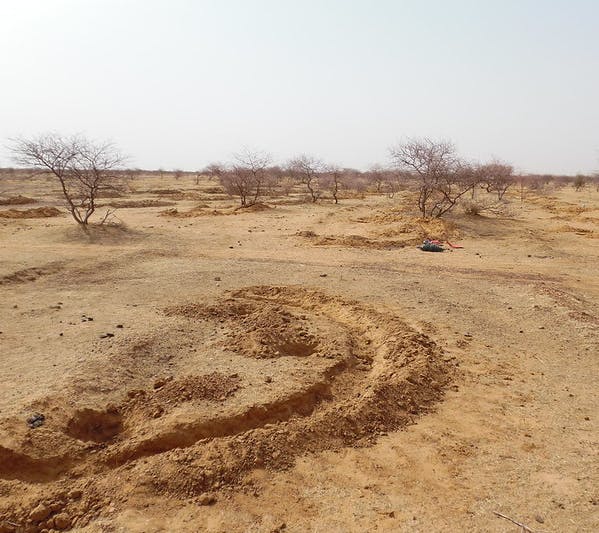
x=300 y=368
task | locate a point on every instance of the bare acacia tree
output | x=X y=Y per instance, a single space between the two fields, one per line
x=442 y=177
x=307 y=170
x=247 y=177
x=84 y=168
x=496 y=177
x=253 y=165
x=333 y=180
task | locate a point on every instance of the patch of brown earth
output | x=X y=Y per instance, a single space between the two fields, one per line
x=37 y=212
x=31 y=274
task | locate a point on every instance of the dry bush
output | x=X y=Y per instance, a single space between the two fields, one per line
x=484 y=206
x=579 y=182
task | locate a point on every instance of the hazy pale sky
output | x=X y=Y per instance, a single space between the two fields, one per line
x=181 y=83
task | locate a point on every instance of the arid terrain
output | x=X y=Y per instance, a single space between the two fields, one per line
x=297 y=367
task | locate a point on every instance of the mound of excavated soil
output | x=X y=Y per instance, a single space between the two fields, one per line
x=139 y=203
x=201 y=210
x=165 y=192
x=402 y=224
x=253 y=208
x=17 y=200
x=353 y=241
x=37 y=212
x=291 y=371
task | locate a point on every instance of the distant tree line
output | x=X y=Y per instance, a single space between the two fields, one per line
x=433 y=170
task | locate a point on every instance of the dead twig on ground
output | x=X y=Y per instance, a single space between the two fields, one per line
x=524 y=527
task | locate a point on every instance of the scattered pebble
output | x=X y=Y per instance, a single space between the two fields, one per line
x=36 y=420
x=207 y=499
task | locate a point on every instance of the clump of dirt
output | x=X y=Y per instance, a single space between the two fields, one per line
x=307 y=233
x=36 y=212
x=17 y=200
x=139 y=203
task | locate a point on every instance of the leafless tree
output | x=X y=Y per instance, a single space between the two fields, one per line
x=443 y=178
x=307 y=170
x=84 y=168
x=496 y=177
x=377 y=175
x=245 y=178
x=332 y=179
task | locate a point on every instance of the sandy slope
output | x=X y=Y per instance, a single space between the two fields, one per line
x=305 y=366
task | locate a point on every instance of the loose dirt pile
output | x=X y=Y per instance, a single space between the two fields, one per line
x=253 y=208
x=343 y=372
x=17 y=200
x=354 y=241
x=31 y=274
x=420 y=228
x=139 y=203
x=201 y=210
x=37 y=212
